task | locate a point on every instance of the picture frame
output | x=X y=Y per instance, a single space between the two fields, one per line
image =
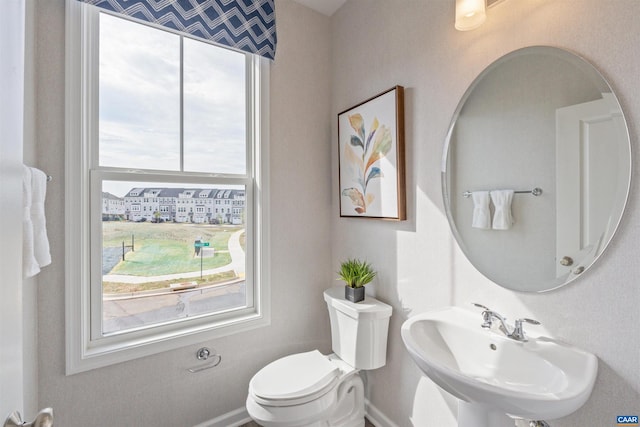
x=371 y=158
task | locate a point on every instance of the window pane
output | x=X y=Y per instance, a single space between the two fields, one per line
x=214 y=109
x=170 y=252
x=139 y=96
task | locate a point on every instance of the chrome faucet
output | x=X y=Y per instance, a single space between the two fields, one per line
x=517 y=333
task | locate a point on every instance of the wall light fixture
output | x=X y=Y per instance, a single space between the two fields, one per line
x=470 y=14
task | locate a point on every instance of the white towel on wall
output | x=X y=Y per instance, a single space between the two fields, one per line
x=40 y=239
x=481 y=212
x=502 y=217
x=35 y=243
x=30 y=265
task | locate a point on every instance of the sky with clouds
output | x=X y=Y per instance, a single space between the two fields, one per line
x=140 y=101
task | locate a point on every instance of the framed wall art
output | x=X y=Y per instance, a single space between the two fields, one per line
x=371 y=158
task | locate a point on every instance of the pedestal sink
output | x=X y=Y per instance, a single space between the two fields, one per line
x=489 y=372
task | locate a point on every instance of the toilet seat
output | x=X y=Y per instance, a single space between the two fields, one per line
x=294 y=380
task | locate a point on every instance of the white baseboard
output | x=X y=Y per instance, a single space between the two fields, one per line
x=240 y=416
x=234 y=418
x=376 y=416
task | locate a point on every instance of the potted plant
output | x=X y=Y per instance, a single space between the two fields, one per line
x=355 y=274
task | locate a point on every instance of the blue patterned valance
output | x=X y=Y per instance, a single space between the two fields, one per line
x=248 y=25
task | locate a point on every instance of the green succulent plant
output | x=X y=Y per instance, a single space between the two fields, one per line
x=356 y=273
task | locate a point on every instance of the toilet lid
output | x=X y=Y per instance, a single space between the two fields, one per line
x=294 y=377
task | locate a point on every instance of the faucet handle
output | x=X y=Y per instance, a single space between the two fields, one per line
x=518 y=330
x=487 y=319
x=525 y=320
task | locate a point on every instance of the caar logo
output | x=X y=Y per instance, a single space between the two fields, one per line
x=627 y=420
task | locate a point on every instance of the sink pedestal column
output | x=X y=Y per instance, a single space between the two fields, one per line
x=475 y=415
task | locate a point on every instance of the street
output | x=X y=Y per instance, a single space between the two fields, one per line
x=130 y=312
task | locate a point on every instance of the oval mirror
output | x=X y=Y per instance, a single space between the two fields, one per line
x=536 y=169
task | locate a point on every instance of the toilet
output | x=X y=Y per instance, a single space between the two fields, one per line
x=315 y=390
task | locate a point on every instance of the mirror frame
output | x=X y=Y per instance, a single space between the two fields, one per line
x=573 y=57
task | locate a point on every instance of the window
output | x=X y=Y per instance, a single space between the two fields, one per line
x=164 y=124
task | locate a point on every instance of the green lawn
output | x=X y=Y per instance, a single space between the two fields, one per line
x=166 y=248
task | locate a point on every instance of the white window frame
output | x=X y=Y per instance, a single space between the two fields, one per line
x=82 y=194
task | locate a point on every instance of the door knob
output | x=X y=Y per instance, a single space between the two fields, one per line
x=43 y=419
x=566 y=261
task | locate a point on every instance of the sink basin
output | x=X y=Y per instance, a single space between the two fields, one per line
x=535 y=380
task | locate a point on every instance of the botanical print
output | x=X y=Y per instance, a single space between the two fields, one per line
x=372 y=157
x=363 y=156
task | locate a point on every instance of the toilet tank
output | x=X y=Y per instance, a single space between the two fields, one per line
x=358 y=330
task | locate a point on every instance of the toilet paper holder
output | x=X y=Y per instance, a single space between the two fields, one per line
x=204 y=354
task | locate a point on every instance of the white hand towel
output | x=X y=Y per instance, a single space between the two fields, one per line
x=481 y=212
x=40 y=239
x=502 y=217
x=29 y=263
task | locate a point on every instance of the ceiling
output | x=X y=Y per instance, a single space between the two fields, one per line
x=326 y=7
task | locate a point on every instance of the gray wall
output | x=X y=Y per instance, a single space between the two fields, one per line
x=379 y=43
x=29 y=286
x=157 y=390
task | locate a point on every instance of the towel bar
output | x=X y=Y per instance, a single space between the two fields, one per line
x=536 y=192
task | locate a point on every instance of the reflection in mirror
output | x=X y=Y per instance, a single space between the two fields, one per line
x=539 y=117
